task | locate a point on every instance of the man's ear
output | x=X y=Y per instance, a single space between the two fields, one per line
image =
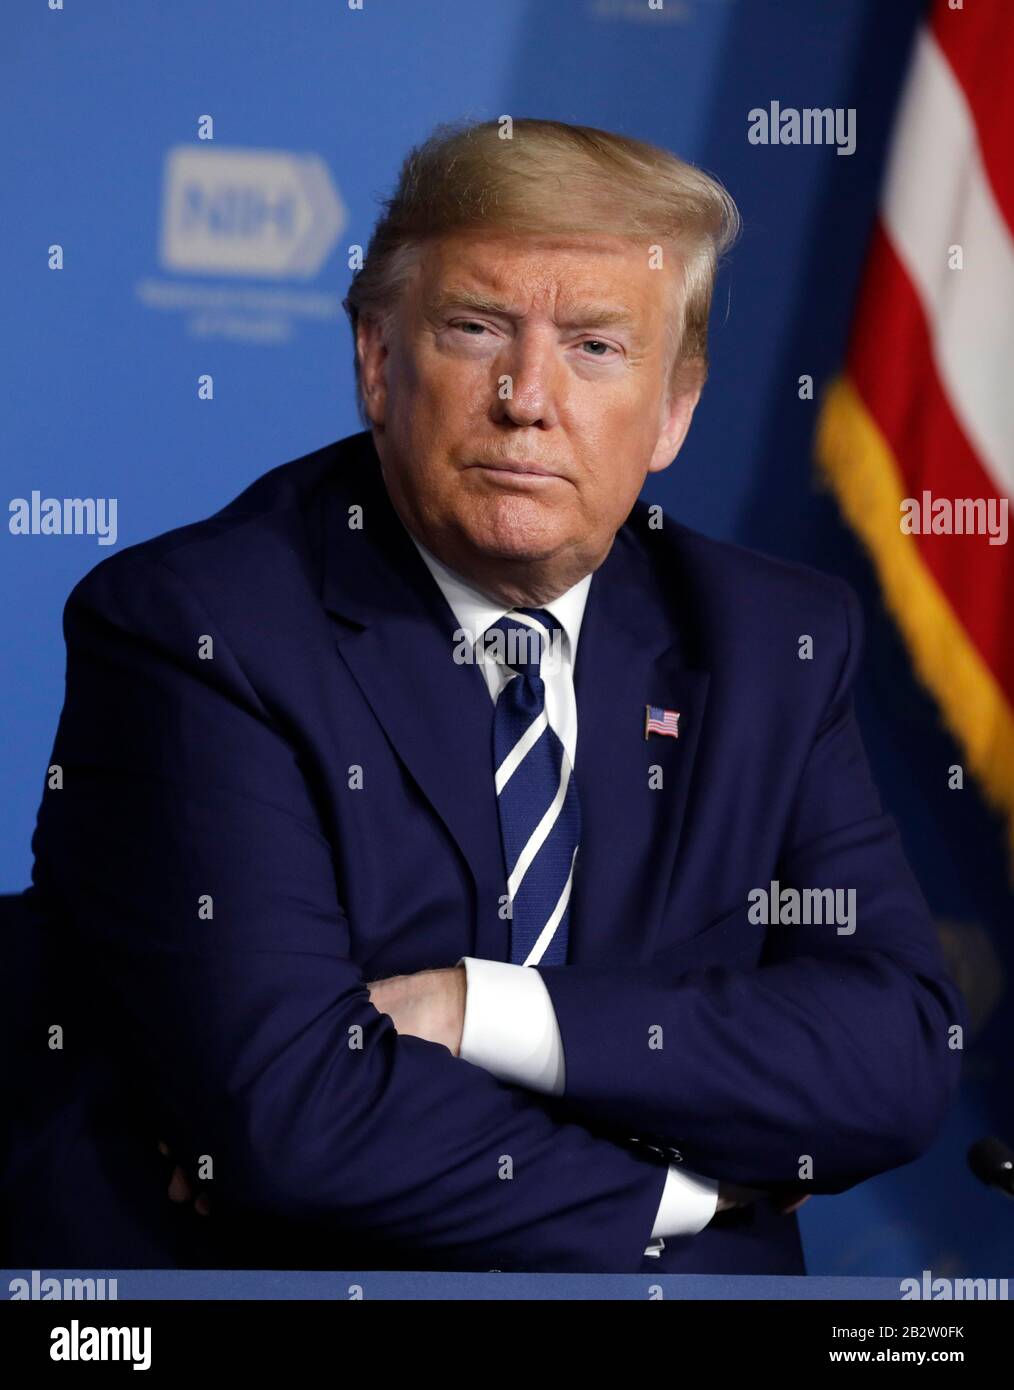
x=679 y=411
x=371 y=351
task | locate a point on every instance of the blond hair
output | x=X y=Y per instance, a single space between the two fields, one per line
x=530 y=177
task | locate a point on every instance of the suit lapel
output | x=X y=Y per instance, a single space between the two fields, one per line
x=630 y=834
x=397 y=639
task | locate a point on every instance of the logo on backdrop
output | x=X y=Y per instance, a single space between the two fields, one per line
x=248 y=212
x=233 y=214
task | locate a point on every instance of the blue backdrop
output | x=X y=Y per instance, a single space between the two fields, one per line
x=229 y=257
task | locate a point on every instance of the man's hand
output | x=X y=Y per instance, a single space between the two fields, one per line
x=429 y=1004
x=731 y=1194
x=179 y=1189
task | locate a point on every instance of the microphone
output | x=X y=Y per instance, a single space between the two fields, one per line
x=992 y=1162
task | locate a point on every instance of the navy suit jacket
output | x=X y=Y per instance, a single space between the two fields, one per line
x=216 y=889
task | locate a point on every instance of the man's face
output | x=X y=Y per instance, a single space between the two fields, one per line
x=520 y=400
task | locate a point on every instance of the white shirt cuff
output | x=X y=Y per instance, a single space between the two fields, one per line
x=689 y=1201
x=510 y=1026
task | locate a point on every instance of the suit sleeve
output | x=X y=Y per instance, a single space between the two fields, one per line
x=191 y=866
x=836 y=1051
x=511 y=1030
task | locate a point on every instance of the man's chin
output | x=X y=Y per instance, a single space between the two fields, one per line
x=523 y=548
x=522 y=531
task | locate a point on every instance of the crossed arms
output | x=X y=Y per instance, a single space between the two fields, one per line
x=265 y=1050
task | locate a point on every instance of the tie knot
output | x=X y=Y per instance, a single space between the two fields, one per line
x=521 y=638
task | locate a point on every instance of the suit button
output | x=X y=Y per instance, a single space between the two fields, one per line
x=675 y=1155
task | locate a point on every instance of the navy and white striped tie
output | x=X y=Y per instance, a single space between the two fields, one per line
x=540 y=819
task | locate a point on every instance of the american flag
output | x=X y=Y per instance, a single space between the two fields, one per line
x=661 y=721
x=924 y=406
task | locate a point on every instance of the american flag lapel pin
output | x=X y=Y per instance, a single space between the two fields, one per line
x=661 y=721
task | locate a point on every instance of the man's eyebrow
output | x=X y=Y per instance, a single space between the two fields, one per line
x=588 y=316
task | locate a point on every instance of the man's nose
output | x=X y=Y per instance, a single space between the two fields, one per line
x=528 y=383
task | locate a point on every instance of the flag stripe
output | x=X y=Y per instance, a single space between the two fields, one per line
x=913 y=412
x=937 y=196
x=978 y=44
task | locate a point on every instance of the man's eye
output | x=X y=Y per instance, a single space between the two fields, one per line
x=597 y=342
x=469 y=323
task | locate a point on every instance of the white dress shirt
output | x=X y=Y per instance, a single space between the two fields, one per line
x=510 y=1025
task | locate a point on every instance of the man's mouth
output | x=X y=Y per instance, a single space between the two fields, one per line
x=523 y=470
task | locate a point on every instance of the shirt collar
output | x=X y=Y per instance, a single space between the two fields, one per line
x=475 y=611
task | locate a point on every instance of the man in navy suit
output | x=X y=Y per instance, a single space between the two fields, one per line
x=456 y=862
